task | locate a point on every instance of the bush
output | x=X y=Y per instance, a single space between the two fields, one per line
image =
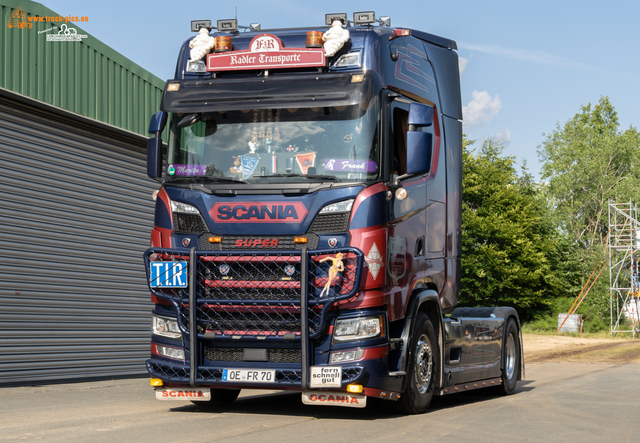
x=549 y=323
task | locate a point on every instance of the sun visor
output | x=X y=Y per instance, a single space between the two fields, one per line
x=281 y=91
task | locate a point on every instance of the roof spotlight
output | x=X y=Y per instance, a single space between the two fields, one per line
x=330 y=18
x=364 y=18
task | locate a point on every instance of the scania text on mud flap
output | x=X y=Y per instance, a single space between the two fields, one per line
x=307 y=226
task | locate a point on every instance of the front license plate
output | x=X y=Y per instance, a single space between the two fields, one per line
x=183 y=394
x=344 y=399
x=168 y=274
x=326 y=376
x=249 y=375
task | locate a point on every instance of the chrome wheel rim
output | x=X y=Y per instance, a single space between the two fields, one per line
x=423 y=364
x=510 y=357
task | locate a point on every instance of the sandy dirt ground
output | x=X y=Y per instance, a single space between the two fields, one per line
x=560 y=348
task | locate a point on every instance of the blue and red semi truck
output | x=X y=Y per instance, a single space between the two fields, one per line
x=307 y=227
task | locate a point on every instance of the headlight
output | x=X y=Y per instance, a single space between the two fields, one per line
x=352 y=329
x=343 y=206
x=165 y=327
x=183 y=208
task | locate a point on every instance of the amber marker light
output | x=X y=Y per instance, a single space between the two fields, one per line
x=314 y=39
x=215 y=239
x=223 y=43
x=156 y=382
x=300 y=239
x=356 y=389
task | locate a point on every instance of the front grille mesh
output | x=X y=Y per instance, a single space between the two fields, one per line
x=188 y=223
x=330 y=223
x=236 y=354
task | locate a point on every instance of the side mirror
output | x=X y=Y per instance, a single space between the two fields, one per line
x=157 y=123
x=420 y=115
x=154 y=145
x=419 y=144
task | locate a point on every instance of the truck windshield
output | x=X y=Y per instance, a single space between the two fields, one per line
x=339 y=143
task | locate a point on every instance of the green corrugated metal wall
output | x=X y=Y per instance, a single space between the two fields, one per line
x=85 y=77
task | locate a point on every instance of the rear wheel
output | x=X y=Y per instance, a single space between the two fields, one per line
x=422 y=370
x=220 y=398
x=511 y=358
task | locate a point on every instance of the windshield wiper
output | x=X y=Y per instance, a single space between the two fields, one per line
x=311 y=176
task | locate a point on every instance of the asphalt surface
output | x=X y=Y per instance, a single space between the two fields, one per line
x=558 y=402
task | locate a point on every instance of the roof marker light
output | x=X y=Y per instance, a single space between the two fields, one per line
x=255 y=27
x=399 y=33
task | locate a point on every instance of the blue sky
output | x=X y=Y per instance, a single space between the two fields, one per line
x=527 y=65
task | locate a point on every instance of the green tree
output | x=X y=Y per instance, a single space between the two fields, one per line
x=586 y=163
x=512 y=253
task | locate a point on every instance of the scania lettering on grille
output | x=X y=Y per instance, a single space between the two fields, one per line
x=258 y=212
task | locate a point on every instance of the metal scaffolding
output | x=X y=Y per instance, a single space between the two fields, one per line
x=624 y=267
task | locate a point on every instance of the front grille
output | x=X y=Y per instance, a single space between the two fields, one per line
x=237 y=354
x=188 y=223
x=258 y=294
x=330 y=223
x=257 y=242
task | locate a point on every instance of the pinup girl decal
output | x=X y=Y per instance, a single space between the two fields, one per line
x=337 y=266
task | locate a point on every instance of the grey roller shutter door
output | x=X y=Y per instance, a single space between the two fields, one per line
x=76 y=214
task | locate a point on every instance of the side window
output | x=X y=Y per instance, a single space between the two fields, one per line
x=400 y=126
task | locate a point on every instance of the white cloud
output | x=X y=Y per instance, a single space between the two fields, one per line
x=526 y=55
x=504 y=136
x=481 y=108
x=462 y=63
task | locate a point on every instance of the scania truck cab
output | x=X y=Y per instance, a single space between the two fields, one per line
x=307 y=227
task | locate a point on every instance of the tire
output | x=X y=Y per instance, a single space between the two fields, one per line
x=422 y=370
x=220 y=398
x=511 y=358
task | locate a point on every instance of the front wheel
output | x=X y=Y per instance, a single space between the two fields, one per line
x=423 y=369
x=511 y=358
x=220 y=398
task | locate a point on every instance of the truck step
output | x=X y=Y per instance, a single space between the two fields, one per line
x=397 y=374
x=470 y=386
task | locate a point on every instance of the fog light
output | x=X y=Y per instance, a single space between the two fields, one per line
x=356 y=389
x=174 y=353
x=158 y=382
x=344 y=356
